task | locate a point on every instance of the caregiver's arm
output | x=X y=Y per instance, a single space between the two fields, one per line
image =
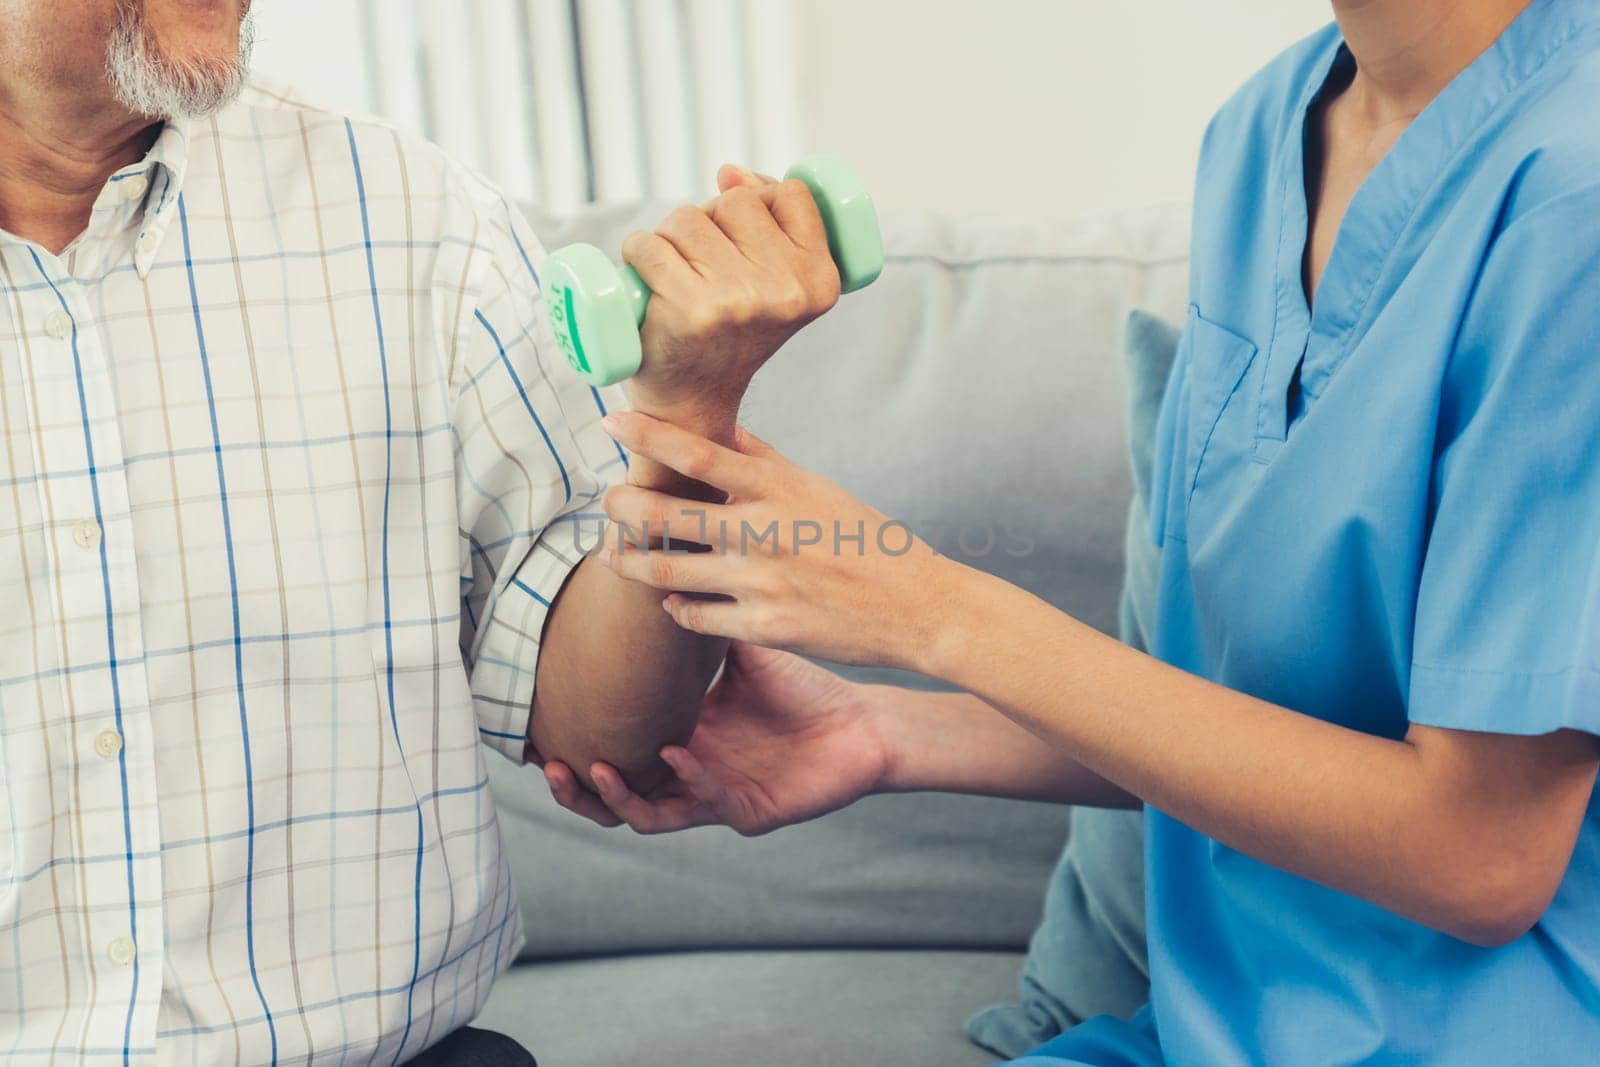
x=956 y=743
x=1467 y=833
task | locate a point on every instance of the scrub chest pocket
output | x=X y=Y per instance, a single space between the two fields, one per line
x=1219 y=429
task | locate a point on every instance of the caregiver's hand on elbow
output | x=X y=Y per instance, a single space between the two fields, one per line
x=732 y=282
x=780 y=741
x=793 y=561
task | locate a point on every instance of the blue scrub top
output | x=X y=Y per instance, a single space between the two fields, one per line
x=1383 y=513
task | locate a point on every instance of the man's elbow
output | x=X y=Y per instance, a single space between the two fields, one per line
x=633 y=750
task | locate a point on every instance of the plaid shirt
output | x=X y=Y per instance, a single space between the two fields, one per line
x=291 y=474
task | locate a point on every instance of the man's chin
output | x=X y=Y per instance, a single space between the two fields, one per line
x=196 y=34
x=180 y=58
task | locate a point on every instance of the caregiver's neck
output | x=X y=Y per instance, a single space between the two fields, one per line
x=1407 y=51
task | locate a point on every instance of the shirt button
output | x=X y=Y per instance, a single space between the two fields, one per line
x=86 y=533
x=122 y=951
x=147 y=242
x=108 y=743
x=134 y=188
x=58 y=324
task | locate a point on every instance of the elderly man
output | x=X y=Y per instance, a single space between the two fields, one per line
x=288 y=533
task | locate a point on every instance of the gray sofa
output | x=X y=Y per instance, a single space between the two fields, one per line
x=976 y=393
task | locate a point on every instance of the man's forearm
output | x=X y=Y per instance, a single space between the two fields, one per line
x=617 y=679
x=955 y=743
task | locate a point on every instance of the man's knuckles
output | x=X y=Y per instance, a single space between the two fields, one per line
x=757 y=300
x=793 y=194
x=785 y=288
x=690 y=228
x=786 y=299
x=819 y=277
x=740 y=205
x=647 y=250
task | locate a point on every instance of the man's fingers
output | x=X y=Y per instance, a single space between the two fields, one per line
x=700 y=242
x=789 y=202
x=659 y=263
x=690 y=455
x=569 y=794
x=731 y=176
x=749 y=224
x=795 y=210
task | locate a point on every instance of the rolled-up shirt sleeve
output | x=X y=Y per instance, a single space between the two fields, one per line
x=1508 y=620
x=531 y=464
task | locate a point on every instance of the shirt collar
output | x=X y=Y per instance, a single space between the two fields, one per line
x=153 y=185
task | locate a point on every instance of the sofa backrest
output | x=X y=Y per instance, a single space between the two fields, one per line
x=975 y=393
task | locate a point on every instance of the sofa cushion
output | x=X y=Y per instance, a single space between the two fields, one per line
x=973 y=392
x=732 y=1009
x=1088 y=957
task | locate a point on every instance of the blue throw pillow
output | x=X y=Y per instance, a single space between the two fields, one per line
x=1088 y=956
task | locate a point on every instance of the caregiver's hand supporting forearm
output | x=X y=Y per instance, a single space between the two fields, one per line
x=1467 y=833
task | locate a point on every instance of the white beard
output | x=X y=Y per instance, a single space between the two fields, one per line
x=148 y=82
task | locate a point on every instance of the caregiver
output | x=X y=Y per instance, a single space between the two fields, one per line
x=1366 y=739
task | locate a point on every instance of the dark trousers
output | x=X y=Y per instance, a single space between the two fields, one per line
x=475 y=1048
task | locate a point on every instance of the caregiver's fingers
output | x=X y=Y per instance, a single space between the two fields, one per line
x=689 y=454
x=645 y=515
x=681 y=572
x=566 y=790
x=710 y=618
x=654 y=816
x=710 y=791
x=751 y=445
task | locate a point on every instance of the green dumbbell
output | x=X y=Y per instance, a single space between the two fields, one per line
x=597 y=308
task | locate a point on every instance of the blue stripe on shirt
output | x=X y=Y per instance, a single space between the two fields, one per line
x=238 y=643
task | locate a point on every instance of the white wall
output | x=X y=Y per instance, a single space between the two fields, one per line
x=1033 y=107
x=673 y=87
x=1037 y=108
x=318 y=46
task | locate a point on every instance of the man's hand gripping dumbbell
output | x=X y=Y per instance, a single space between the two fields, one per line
x=713 y=292
x=731 y=283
